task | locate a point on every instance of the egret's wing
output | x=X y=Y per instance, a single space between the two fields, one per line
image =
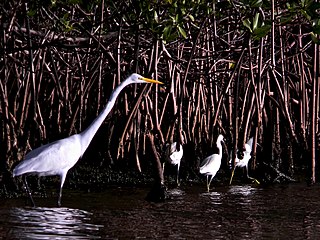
x=173 y=156
x=52 y=157
x=172 y=148
x=169 y=149
x=207 y=163
x=210 y=164
x=176 y=157
x=250 y=141
x=237 y=159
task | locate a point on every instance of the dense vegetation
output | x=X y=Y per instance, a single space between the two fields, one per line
x=241 y=68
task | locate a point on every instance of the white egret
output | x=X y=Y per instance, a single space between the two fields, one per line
x=173 y=155
x=241 y=163
x=211 y=164
x=58 y=157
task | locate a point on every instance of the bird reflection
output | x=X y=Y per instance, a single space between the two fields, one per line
x=176 y=192
x=243 y=190
x=214 y=198
x=45 y=223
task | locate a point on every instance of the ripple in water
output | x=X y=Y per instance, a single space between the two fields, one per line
x=227 y=212
x=245 y=190
x=48 y=223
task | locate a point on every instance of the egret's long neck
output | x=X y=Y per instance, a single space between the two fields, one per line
x=219 y=146
x=88 y=134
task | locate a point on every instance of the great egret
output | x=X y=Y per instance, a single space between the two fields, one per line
x=241 y=163
x=211 y=164
x=58 y=157
x=173 y=156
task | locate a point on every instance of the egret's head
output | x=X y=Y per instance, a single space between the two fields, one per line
x=220 y=138
x=136 y=78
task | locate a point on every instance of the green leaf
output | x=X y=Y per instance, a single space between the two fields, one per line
x=286 y=19
x=255 y=21
x=182 y=32
x=247 y=24
x=316 y=22
x=316 y=29
x=191 y=17
x=256 y=3
x=306 y=3
x=261 y=32
x=31 y=12
x=166 y=32
x=177 y=18
x=313 y=10
x=314 y=38
x=156 y=17
x=232 y=65
x=305 y=14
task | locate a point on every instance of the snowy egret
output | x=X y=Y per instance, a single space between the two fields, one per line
x=58 y=157
x=173 y=156
x=241 y=163
x=211 y=164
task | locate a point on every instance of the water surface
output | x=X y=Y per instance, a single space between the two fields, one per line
x=239 y=211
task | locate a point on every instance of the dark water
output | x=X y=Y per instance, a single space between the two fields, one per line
x=245 y=212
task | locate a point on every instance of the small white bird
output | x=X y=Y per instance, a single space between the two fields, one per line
x=58 y=157
x=241 y=163
x=211 y=164
x=173 y=155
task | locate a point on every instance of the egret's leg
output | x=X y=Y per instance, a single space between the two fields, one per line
x=253 y=179
x=163 y=168
x=207 y=183
x=178 y=183
x=62 y=179
x=59 y=197
x=28 y=190
x=39 y=183
x=232 y=176
x=210 y=183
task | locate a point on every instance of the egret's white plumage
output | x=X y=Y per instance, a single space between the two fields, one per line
x=241 y=163
x=211 y=164
x=173 y=155
x=58 y=157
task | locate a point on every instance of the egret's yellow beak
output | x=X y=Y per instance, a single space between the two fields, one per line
x=151 y=80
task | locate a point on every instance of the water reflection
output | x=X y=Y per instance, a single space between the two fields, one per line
x=227 y=212
x=176 y=192
x=245 y=190
x=45 y=223
x=214 y=197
